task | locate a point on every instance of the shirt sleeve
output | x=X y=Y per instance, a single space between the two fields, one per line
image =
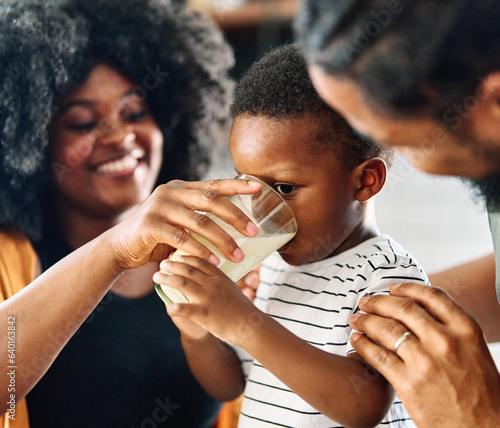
x=380 y=280
x=17 y=264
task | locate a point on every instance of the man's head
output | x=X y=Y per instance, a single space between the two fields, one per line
x=422 y=76
x=284 y=134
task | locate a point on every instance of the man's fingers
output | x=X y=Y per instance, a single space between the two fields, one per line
x=435 y=301
x=396 y=311
x=388 y=332
x=385 y=361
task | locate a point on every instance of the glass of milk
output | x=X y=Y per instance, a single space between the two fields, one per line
x=276 y=223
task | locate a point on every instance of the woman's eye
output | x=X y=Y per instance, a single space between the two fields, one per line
x=136 y=116
x=284 y=189
x=83 y=127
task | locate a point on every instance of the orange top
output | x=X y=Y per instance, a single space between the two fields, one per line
x=17 y=269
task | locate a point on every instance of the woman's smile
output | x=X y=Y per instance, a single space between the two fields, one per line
x=123 y=165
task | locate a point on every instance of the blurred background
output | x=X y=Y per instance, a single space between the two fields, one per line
x=434 y=217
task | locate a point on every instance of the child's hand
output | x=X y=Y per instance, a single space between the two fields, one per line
x=216 y=302
x=250 y=282
x=188 y=328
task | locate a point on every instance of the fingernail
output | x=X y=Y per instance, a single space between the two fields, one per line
x=354 y=317
x=214 y=260
x=355 y=337
x=254 y=184
x=156 y=277
x=173 y=309
x=164 y=265
x=364 y=299
x=238 y=254
x=252 y=229
x=395 y=286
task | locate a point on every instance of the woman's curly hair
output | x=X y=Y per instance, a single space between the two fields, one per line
x=49 y=47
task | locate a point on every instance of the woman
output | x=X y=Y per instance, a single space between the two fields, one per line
x=101 y=101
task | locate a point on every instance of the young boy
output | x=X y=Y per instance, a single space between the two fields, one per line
x=300 y=369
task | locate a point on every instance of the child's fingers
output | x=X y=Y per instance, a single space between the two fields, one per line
x=185 y=310
x=189 y=267
x=181 y=283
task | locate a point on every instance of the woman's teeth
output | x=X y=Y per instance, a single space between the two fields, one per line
x=118 y=165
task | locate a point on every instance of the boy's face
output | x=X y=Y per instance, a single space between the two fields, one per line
x=320 y=193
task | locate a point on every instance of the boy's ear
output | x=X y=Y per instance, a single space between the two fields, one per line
x=370 y=178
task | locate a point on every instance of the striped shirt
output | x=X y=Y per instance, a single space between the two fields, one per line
x=315 y=302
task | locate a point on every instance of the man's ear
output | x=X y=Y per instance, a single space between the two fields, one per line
x=370 y=177
x=490 y=91
x=482 y=109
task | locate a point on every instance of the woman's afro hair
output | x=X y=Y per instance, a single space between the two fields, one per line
x=49 y=47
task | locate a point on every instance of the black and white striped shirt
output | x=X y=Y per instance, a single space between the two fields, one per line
x=315 y=302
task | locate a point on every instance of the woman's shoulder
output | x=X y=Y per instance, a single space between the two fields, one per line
x=18 y=262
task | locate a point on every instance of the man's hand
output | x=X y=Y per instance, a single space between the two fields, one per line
x=443 y=371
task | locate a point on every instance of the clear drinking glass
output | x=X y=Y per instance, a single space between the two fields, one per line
x=276 y=223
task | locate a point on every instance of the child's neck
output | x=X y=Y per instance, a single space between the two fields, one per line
x=366 y=229
x=360 y=234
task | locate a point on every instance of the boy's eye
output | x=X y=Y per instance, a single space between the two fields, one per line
x=284 y=189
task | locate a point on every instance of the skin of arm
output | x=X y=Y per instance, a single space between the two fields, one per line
x=343 y=389
x=443 y=372
x=215 y=365
x=51 y=309
x=472 y=285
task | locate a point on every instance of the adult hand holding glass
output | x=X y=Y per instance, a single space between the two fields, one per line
x=157 y=226
x=442 y=371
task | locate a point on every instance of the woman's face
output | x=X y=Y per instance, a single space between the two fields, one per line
x=106 y=147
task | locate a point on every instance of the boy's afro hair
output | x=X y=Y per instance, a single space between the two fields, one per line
x=49 y=47
x=278 y=86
